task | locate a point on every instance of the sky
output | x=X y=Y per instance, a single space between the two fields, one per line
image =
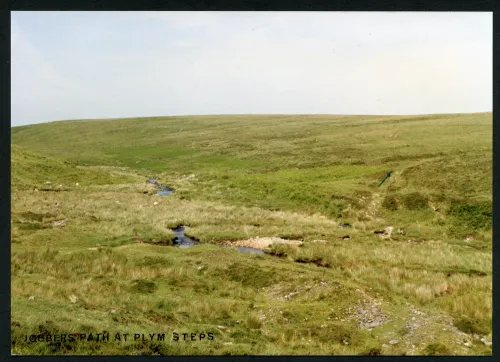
x=85 y=65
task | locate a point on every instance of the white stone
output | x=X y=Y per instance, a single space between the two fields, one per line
x=393 y=341
x=31 y=298
x=77 y=184
x=155 y=204
x=73 y=299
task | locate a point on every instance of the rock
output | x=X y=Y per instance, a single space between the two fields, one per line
x=113 y=311
x=385 y=345
x=36 y=190
x=31 y=298
x=394 y=341
x=60 y=222
x=73 y=298
x=47 y=182
x=155 y=203
x=58 y=203
x=488 y=343
x=77 y=184
x=92 y=249
x=228 y=343
x=467 y=344
x=468 y=237
x=345 y=342
x=388 y=230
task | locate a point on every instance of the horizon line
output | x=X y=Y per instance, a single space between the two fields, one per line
x=256 y=114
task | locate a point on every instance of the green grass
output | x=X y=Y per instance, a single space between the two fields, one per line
x=240 y=177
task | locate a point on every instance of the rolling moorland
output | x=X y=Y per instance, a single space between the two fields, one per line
x=404 y=268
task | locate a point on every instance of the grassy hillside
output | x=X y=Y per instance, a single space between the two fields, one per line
x=242 y=177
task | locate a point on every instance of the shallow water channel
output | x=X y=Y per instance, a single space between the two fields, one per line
x=183 y=241
x=162 y=189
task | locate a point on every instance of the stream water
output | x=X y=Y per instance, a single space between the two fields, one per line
x=162 y=189
x=183 y=241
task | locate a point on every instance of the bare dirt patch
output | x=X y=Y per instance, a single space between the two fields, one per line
x=262 y=243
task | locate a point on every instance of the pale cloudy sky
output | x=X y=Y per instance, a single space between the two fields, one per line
x=76 y=65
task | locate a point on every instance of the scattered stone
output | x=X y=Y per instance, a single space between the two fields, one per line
x=47 y=182
x=60 y=223
x=345 y=342
x=228 y=343
x=155 y=203
x=290 y=295
x=113 y=311
x=73 y=298
x=487 y=343
x=31 y=298
x=221 y=327
x=152 y=180
x=385 y=345
x=467 y=344
x=238 y=322
x=58 y=203
x=77 y=184
x=394 y=341
x=36 y=190
x=93 y=249
x=324 y=326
